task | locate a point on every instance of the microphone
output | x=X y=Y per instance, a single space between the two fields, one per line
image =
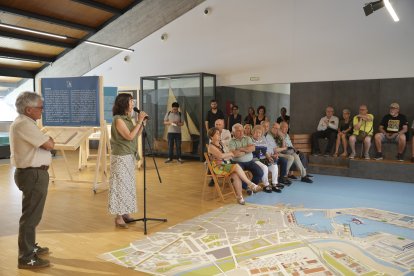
x=138 y=111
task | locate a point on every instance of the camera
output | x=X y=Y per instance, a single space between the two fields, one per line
x=164 y=37
x=207 y=11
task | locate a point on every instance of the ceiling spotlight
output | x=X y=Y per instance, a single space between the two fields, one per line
x=373 y=6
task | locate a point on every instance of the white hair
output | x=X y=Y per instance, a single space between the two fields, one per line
x=233 y=128
x=27 y=99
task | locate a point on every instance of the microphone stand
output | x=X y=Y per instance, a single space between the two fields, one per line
x=145 y=219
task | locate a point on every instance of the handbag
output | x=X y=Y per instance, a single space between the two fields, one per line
x=363 y=133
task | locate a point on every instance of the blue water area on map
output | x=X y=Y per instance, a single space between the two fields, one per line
x=369 y=227
x=332 y=192
x=315 y=220
x=318 y=221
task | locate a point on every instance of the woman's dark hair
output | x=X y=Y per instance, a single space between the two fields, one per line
x=261 y=107
x=175 y=104
x=121 y=104
x=212 y=131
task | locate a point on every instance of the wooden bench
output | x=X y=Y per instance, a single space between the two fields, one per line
x=302 y=142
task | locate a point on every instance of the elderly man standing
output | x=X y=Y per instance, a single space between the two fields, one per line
x=393 y=128
x=327 y=128
x=242 y=147
x=30 y=154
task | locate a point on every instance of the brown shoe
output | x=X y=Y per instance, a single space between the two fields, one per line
x=121 y=225
x=33 y=263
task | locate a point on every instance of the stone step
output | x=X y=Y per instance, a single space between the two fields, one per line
x=328 y=169
x=329 y=160
x=382 y=169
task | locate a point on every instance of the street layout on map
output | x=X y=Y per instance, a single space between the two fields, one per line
x=280 y=240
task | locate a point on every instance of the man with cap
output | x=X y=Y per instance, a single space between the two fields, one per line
x=393 y=128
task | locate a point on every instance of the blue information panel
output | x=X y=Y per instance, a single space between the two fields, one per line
x=71 y=101
x=109 y=100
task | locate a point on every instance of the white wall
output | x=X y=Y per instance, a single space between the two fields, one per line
x=279 y=41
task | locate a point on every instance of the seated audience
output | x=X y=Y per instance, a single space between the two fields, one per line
x=251 y=117
x=222 y=167
x=284 y=161
x=363 y=125
x=265 y=160
x=225 y=135
x=393 y=128
x=327 y=128
x=283 y=117
x=261 y=116
x=234 y=118
x=344 y=131
x=247 y=130
x=242 y=147
x=290 y=150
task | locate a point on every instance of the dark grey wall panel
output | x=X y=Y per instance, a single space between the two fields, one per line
x=245 y=98
x=308 y=100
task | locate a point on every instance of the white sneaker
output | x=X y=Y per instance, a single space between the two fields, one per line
x=352 y=155
x=180 y=160
x=366 y=156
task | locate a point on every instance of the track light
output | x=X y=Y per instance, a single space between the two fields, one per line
x=27 y=30
x=373 y=6
x=391 y=10
x=108 y=46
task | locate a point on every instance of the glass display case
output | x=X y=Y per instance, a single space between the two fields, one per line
x=193 y=92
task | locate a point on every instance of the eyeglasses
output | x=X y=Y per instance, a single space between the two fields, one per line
x=40 y=107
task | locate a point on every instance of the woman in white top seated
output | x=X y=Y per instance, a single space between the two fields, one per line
x=264 y=160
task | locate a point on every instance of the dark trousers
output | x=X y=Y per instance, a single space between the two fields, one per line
x=174 y=137
x=33 y=183
x=328 y=133
x=282 y=162
x=254 y=169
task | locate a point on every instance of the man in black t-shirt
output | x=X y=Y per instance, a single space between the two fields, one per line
x=393 y=128
x=212 y=115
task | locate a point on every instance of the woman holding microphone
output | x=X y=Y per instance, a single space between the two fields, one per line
x=124 y=137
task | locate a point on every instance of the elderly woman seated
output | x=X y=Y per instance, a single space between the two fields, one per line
x=222 y=166
x=265 y=161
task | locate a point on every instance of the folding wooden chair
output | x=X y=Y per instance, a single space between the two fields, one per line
x=220 y=181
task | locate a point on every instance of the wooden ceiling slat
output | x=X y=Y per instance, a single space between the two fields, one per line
x=11 y=80
x=46 y=18
x=36 y=39
x=27 y=57
x=29 y=47
x=19 y=64
x=76 y=19
x=64 y=10
x=43 y=26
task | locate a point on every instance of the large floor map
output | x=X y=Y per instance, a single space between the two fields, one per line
x=278 y=240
